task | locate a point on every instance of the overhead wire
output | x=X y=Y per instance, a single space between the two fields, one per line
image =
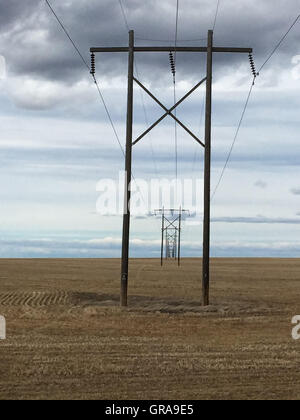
x=174 y=84
x=67 y=34
x=197 y=146
x=234 y=141
x=247 y=103
x=279 y=43
x=97 y=86
x=141 y=92
x=124 y=15
x=176 y=42
x=108 y=115
x=216 y=15
x=94 y=77
x=147 y=124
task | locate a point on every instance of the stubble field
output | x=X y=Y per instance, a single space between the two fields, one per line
x=67 y=338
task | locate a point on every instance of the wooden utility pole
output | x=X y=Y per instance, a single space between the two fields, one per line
x=207 y=172
x=179 y=237
x=128 y=175
x=131 y=50
x=162 y=236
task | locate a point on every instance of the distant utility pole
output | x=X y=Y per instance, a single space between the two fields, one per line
x=171 y=222
x=210 y=49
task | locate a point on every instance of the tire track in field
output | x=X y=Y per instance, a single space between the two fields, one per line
x=36 y=299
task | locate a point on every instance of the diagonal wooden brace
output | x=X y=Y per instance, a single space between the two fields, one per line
x=169 y=112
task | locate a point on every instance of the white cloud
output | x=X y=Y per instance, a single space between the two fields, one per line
x=38 y=94
x=111 y=247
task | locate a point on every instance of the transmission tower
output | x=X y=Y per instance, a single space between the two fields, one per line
x=131 y=50
x=171 y=228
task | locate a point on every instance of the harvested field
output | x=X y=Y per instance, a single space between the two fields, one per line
x=68 y=338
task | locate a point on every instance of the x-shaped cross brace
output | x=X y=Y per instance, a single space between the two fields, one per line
x=171 y=225
x=169 y=112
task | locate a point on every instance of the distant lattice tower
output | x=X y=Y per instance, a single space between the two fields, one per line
x=171 y=233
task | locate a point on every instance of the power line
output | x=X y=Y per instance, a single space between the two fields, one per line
x=141 y=92
x=97 y=86
x=94 y=77
x=147 y=123
x=247 y=103
x=176 y=29
x=216 y=15
x=197 y=146
x=66 y=32
x=174 y=81
x=108 y=114
x=124 y=15
x=115 y=132
x=279 y=43
x=234 y=140
x=176 y=135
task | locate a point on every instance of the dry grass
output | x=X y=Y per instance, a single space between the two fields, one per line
x=68 y=339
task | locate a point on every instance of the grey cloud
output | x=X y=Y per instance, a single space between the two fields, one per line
x=12 y=10
x=48 y=54
x=295 y=191
x=82 y=160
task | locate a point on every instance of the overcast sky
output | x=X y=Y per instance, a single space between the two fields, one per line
x=56 y=142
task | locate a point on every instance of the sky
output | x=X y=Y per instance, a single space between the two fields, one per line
x=57 y=144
